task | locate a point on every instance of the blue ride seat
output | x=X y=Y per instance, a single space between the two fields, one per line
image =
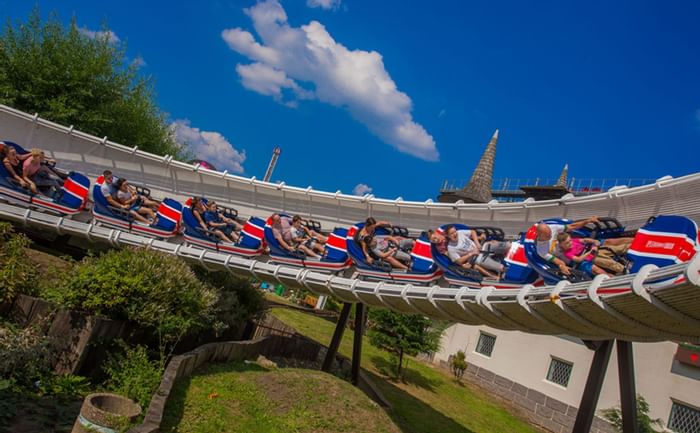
x=334 y=258
x=421 y=269
x=70 y=199
x=168 y=214
x=517 y=271
x=550 y=273
x=250 y=240
x=663 y=241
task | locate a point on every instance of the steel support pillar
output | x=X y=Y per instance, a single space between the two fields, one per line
x=594 y=383
x=357 y=342
x=628 y=392
x=337 y=337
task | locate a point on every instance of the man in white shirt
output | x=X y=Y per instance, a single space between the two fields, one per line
x=464 y=249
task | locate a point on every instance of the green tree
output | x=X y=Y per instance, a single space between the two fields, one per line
x=72 y=79
x=644 y=421
x=403 y=334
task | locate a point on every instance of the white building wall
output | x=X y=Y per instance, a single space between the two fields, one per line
x=525 y=358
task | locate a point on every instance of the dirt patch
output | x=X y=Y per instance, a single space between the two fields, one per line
x=276 y=390
x=48 y=263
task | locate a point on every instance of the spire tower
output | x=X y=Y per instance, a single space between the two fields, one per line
x=563 y=176
x=478 y=190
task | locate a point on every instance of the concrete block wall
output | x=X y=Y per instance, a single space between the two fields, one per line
x=542 y=410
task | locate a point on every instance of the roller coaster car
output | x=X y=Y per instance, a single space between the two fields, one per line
x=423 y=269
x=70 y=199
x=662 y=241
x=250 y=243
x=517 y=272
x=165 y=225
x=334 y=259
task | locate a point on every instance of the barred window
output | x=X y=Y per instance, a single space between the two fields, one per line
x=485 y=344
x=559 y=372
x=684 y=419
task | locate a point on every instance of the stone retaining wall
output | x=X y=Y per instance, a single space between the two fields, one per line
x=539 y=408
x=74 y=332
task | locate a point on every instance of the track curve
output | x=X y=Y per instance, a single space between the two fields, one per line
x=642 y=312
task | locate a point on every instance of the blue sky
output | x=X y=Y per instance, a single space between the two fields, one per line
x=400 y=95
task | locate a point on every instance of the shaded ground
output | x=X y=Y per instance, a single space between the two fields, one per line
x=240 y=397
x=428 y=399
x=22 y=413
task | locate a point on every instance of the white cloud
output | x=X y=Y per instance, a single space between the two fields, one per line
x=323 y=4
x=111 y=37
x=361 y=189
x=209 y=146
x=139 y=62
x=269 y=81
x=309 y=64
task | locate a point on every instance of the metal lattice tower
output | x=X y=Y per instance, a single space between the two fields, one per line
x=273 y=162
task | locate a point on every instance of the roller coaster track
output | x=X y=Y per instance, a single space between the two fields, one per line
x=639 y=309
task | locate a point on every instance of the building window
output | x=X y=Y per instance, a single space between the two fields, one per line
x=559 y=372
x=485 y=344
x=684 y=419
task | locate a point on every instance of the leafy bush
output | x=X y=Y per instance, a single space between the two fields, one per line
x=644 y=421
x=157 y=291
x=458 y=364
x=26 y=356
x=238 y=300
x=132 y=374
x=73 y=79
x=17 y=273
x=65 y=386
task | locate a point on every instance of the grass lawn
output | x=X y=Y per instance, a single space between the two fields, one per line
x=428 y=400
x=239 y=397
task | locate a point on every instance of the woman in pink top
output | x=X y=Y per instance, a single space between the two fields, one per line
x=574 y=250
x=39 y=175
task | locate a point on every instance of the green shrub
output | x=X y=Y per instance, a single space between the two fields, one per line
x=458 y=364
x=17 y=273
x=644 y=421
x=238 y=301
x=157 y=291
x=26 y=356
x=132 y=374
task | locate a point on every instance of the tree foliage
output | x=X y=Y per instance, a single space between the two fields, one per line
x=644 y=421
x=403 y=334
x=73 y=79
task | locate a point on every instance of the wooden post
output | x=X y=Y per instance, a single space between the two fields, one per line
x=337 y=337
x=594 y=383
x=357 y=342
x=628 y=392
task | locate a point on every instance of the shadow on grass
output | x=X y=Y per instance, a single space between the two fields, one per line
x=412 y=415
x=410 y=375
x=175 y=406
